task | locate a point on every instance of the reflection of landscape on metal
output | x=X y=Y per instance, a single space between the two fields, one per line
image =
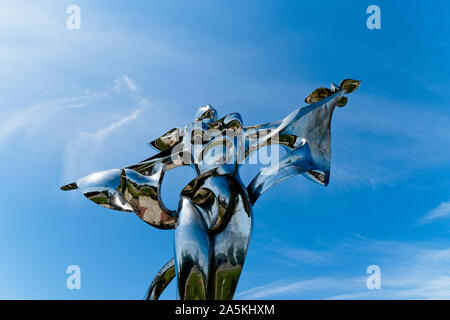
x=213 y=220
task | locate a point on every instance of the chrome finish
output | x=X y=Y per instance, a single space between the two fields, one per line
x=213 y=221
x=306 y=133
x=161 y=281
x=129 y=191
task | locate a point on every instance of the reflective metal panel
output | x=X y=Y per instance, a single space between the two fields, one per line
x=161 y=281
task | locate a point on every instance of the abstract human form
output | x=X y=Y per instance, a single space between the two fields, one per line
x=213 y=220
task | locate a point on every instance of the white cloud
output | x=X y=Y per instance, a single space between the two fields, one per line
x=442 y=211
x=408 y=271
x=124 y=82
x=27 y=118
x=130 y=83
x=388 y=136
x=25 y=16
x=31 y=117
x=104 y=132
x=282 y=287
x=424 y=275
x=82 y=145
x=291 y=255
x=89 y=126
x=85 y=149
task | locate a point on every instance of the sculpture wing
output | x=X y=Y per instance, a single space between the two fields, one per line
x=306 y=134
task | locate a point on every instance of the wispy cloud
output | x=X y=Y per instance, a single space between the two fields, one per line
x=388 y=136
x=102 y=133
x=423 y=275
x=285 y=253
x=408 y=271
x=441 y=211
x=85 y=149
x=29 y=117
x=289 y=287
x=81 y=127
x=124 y=82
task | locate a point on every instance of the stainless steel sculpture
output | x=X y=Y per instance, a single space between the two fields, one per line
x=213 y=221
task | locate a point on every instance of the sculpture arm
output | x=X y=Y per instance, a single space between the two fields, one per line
x=135 y=188
x=128 y=190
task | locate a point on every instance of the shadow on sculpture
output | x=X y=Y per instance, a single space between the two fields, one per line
x=213 y=220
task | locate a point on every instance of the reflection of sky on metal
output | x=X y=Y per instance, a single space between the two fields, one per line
x=260 y=60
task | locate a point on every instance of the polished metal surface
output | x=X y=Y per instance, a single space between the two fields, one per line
x=213 y=221
x=161 y=281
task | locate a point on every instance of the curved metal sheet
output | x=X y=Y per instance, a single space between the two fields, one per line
x=129 y=191
x=161 y=281
x=307 y=133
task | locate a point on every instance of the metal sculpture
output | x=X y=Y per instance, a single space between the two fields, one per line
x=213 y=221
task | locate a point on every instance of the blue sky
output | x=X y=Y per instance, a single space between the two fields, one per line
x=78 y=101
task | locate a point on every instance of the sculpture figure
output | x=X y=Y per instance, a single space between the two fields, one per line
x=213 y=220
